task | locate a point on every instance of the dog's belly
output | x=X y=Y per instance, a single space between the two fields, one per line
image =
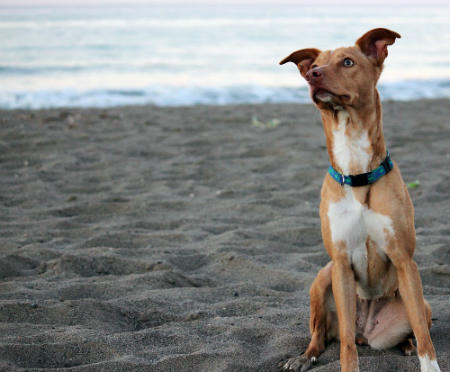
x=363 y=234
x=381 y=323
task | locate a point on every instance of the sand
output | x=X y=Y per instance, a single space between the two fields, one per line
x=185 y=239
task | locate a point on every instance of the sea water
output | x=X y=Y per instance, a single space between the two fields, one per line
x=188 y=54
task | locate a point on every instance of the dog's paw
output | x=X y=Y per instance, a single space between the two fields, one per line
x=297 y=364
x=407 y=347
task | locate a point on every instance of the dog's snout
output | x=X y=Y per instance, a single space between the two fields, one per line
x=315 y=74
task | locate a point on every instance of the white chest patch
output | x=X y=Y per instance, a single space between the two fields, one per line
x=352 y=223
x=347 y=151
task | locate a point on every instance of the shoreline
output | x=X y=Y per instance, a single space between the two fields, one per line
x=155 y=238
x=127 y=107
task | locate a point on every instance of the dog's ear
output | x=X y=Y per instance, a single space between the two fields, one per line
x=374 y=43
x=303 y=58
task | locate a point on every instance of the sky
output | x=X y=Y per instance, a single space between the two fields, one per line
x=27 y=3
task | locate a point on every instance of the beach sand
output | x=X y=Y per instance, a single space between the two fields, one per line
x=185 y=239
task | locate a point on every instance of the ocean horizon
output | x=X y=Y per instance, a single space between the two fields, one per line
x=174 y=55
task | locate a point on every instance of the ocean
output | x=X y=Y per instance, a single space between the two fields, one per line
x=189 y=54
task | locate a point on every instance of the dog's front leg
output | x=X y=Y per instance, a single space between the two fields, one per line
x=410 y=287
x=344 y=292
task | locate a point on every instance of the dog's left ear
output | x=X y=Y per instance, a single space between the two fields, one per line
x=303 y=58
x=374 y=43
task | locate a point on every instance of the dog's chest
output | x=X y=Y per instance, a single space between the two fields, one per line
x=351 y=149
x=363 y=234
x=356 y=228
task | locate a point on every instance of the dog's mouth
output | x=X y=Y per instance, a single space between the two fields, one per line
x=320 y=94
x=323 y=95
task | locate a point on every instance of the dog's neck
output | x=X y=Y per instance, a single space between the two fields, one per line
x=354 y=136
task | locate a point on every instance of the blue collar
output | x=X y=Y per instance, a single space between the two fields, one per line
x=363 y=179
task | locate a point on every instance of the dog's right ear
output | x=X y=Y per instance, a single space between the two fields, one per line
x=374 y=43
x=303 y=58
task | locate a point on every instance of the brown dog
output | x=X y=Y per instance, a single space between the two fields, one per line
x=371 y=290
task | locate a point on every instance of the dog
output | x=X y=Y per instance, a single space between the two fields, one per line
x=370 y=292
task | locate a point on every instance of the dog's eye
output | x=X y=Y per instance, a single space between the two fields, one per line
x=348 y=62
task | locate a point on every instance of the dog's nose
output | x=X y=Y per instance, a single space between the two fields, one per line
x=315 y=74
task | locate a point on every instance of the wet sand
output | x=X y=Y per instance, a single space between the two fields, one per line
x=185 y=239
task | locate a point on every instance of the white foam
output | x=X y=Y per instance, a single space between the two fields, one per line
x=163 y=95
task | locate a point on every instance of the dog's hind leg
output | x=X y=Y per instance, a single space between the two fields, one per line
x=407 y=347
x=323 y=322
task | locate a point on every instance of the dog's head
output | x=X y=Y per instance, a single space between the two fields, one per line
x=344 y=76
